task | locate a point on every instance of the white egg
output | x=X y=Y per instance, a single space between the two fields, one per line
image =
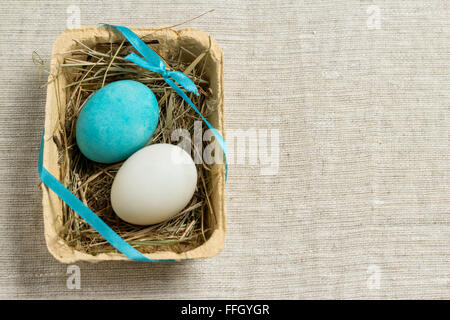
x=154 y=184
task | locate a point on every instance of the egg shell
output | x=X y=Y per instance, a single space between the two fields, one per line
x=116 y=121
x=154 y=184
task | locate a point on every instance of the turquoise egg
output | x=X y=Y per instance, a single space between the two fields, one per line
x=116 y=121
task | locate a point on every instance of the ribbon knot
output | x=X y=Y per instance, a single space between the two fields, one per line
x=165 y=73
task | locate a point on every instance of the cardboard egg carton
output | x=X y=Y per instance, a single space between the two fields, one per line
x=169 y=39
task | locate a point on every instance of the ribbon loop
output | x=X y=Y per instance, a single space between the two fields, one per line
x=142 y=62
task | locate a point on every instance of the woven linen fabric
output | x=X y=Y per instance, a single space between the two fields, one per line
x=353 y=93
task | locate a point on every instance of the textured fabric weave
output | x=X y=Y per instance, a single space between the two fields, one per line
x=360 y=205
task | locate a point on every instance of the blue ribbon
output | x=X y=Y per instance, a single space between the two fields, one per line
x=153 y=62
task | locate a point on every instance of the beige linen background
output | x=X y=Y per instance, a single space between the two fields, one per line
x=360 y=205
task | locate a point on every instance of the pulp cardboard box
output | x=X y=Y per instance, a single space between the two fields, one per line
x=169 y=39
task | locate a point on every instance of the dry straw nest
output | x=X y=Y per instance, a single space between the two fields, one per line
x=89 y=69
